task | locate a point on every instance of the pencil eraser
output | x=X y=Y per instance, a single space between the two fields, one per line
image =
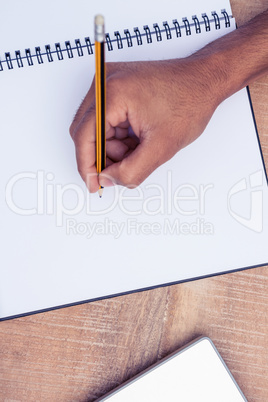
x=99 y=20
x=99 y=28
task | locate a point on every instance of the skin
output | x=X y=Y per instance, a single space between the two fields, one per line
x=156 y=108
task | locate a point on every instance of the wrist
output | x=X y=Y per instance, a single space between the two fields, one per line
x=210 y=76
x=238 y=58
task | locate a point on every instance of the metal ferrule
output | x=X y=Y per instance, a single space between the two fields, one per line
x=99 y=29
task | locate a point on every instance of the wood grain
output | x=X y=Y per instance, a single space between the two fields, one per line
x=81 y=352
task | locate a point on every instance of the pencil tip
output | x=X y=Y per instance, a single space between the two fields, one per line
x=100 y=191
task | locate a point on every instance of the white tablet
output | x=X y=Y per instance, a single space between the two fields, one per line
x=194 y=373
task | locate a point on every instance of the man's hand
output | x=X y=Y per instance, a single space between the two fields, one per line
x=153 y=110
x=156 y=108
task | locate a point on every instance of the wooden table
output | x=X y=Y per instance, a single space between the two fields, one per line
x=81 y=352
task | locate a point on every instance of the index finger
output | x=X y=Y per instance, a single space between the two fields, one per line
x=89 y=98
x=87 y=101
x=85 y=145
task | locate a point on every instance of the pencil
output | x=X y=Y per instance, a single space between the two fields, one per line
x=100 y=85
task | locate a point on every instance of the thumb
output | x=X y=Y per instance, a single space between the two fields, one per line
x=133 y=169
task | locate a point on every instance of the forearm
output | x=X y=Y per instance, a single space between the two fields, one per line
x=239 y=57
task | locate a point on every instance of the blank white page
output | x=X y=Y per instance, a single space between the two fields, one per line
x=196 y=373
x=40 y=23
x=202 y=213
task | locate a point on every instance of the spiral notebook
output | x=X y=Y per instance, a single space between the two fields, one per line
x=202 y=213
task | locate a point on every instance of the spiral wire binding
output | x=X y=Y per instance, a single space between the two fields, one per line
x=177 y=28
x=138 y=36
x=89 y=45
x=79 y=47
x=206 y=22
x=216 y=19
x=157 y=32
x=227 y=19
x=59 y=51
x=167 y=29
x=119 y=40
x=49 y=54
x=69 y=49
x=148 y=34
x=39 y=55
x=129 y=38
x=108 y=42
x=187 y=26
x=82 y=47
x=197 y=24
x=19 y=59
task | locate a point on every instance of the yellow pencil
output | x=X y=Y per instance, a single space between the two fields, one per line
x=100 y=84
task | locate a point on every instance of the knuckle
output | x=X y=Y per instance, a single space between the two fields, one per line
x=112 y=84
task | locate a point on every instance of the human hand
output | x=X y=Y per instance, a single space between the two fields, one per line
x=153 y=109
